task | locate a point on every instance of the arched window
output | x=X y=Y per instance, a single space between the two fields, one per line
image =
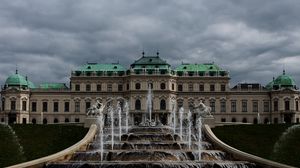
x=233 y=120
x=45 y=121
x=255 y=121
x=162 y=86
x=66 y=120
x=55 y=120
x=266 y=120
x=179 y=87
x=137 y=86
x=33 y=121
x=138 y=104
x=244 y=120
x=162 y=104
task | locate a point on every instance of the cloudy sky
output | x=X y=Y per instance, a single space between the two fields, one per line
x=253 y=39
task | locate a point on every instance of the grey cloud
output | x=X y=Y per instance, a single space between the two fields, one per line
x=254 y=40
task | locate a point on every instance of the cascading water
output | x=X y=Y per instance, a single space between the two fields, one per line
x=174 y=117
x=199 y=124
x=111 y=112
x=100 y=123
x=181 y=111
x=149 y=102
x=126 y=107
x=119 y=109
x=189 y=128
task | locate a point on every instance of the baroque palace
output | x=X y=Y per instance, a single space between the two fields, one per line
x=184 y=86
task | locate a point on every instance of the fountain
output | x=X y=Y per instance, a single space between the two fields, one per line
x=149 y=102
x=152 y=144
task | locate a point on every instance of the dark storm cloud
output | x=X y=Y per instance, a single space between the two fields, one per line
x=254 y=39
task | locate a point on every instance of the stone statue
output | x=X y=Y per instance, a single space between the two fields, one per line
x=202 y=110
x=96 y=109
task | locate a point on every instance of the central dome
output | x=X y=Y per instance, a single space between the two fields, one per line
x=16 y=80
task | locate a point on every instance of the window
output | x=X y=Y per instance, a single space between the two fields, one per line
x=223 y=106
x=138 y=104
x=162 y=86
x=266 y=106
x=201 y=87
x=223 y=88
x=55 y=107
x=212 y=88
x=87 y=105
x=45 y=106
x=77 y=87
x=77 y=120
x=244 y=106
x=180 y=87
x=191 y=87
x=55 y=120
x=24 y=105
x=45 y=121
x=3 y=104
x=255 y=121
x=99 y=87
x=150 y=85
x=162 y=104
x=297 y=106
x=120 y=88
x=287 y=105
x=109 y=87
x=33 y=106
x=275 y=105
x=255 y=106
x=173 y=86
x=127 y=86
x=266 y=121
x=137 y=86
x=233 y=120
x=33 y=121
x=88 y=87
x=67 y=106
x=223 y=119
x=212 y=106
x=77 y=106
x=275 y=120
x=67 y=120
x=13 y=105
x=244 y=120
x=233 y=106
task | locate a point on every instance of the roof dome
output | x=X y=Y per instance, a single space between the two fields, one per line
x=282 y=81
x=30 y=84
x=16 y=80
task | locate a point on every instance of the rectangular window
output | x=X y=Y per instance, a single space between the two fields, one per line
x=120 y=88
x=212 y=88
x=127 y=86
x=45 y=106
x=297 y=106
x=109 y=87
x=77 y=87
x=191 y=87
x=266 y=106
x=244 y=106
x=173 y=86
x=77 y=106
x=201 y=87
x=213 y=106
x=77 y=120
x=233 y=106
x=55 y=107
x=99 y=87
x=180 y=87
x=287 y=105
x=275 y=105
x=87 y=105
x=67 y=106
x=24 y=105
x=223 y=88
x=33 y=106
x=13 y=105
x=255 y=106
x=223 y=106
x=88 y=87
x=3 y=105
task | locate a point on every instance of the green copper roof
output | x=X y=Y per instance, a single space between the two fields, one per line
x=198 y=67
x=30 y=84
x=150 y=62
x=16 y=80
x=282 y=81
x=94 y=67
x=53 y=86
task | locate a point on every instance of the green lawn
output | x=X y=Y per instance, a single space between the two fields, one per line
x=37 y=141
x=260 y=140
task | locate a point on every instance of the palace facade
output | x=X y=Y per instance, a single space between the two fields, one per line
x=184 y=86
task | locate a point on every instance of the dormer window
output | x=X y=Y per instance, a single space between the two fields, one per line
x=115 y=67
x=150 y=60
x=89 y=67
x=184 y=67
